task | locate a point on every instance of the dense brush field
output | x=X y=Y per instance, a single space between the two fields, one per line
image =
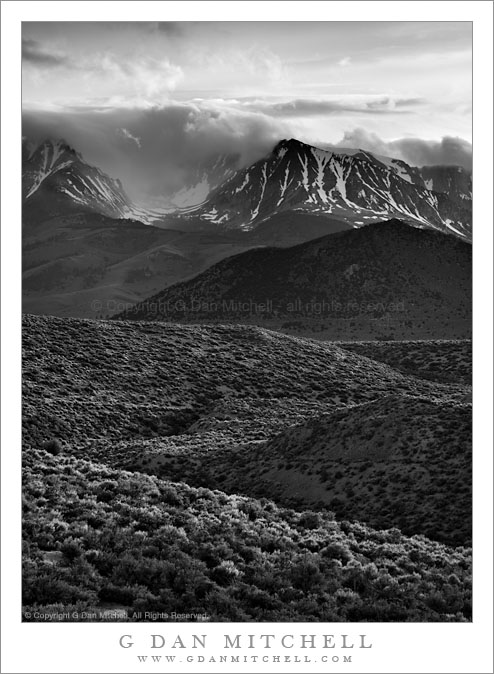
x=127 y=539
x=244 y=474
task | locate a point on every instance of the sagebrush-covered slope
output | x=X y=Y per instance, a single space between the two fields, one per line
x=437 y=360
x=245 y=409
x=131 y=407
x=395 y=462
x=87 y=379
x=98 y=538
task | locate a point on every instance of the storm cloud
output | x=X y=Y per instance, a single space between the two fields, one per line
x=154 y=150
x=414 y=151
x=35 y=53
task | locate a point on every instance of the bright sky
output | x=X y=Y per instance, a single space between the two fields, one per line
x=395 y=79
x=243 y=85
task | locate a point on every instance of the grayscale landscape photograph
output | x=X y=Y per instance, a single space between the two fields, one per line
x=247 y=321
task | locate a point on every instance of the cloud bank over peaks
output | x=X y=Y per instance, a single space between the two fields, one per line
x=152 y=151
x=155 y=150
x=414 y=151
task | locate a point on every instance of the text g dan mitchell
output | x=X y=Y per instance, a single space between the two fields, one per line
x=254 y=641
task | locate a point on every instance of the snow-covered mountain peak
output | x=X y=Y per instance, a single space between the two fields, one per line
x=56 y=177
x=355 y=186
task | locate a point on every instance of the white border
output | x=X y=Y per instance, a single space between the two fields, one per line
x=422 y=647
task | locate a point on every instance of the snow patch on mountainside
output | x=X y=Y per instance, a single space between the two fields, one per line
x=339 y=173
x=191 y=196
x=50 y=153
x=449 y=225
x=400 y=170
x=322 y=159
x=264 y=180
x=243 y=185
x=284 y=184
x=304 y=161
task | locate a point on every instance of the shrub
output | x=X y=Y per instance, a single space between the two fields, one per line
x=52 y=446
x=310 y=520
x=305 y=575
x=71 y=549
x=225 y=573
x=113 y=593
x=337 y=551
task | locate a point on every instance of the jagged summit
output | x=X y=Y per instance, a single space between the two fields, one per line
x=295 y=145
x=289 y=144
x=56 y=178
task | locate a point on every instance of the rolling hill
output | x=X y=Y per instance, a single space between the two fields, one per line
x=392 y=462
x=87 y=265
x=189 y=370
x=238 y=407
x=130 y=429
x=444 y=361
x=380 y=279
x=113 y=545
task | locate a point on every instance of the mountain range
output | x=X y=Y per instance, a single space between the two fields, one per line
x=57 y=180
x=353 y=187
x=85 y=242
x=276 y=423
x=357 y=188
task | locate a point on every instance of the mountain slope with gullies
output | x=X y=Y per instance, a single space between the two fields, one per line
x=419 y=280
x=356 y=188
x=455 y=181
x=199 y=181
x=56 y=180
